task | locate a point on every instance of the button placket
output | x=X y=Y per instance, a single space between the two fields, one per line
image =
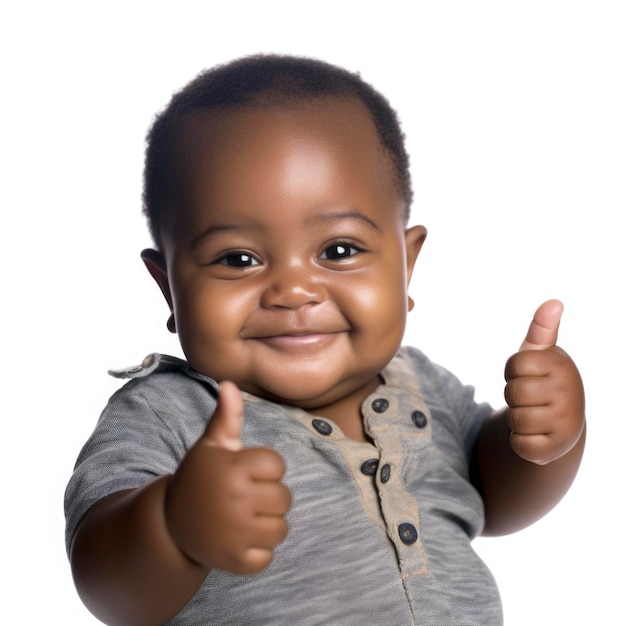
x=391 y=417
x=380 y=405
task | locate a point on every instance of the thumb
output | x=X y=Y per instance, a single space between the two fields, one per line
x=544 y=329
x=224 y=429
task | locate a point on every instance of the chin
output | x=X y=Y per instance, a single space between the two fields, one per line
x=306 y=399
x=308 y=394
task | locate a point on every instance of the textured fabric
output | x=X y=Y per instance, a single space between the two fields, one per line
x=378 y=533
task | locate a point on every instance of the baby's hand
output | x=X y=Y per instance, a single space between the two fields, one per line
x=226 y=506
x=544 y=392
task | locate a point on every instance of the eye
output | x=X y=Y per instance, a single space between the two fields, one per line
x=237 y=259
x=340 y=251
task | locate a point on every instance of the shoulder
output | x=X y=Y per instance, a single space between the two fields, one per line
x=433 y=379
x=144 y=431
x=166 y=367
x=449 y=400
x=165 y=384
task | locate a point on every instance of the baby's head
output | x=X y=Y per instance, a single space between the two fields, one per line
x=277 y=191
x=264 y=82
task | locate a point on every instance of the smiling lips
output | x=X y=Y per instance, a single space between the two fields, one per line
x=296 y=331
x=299 y=340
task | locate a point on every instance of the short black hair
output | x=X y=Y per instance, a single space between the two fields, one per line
x=260 y=80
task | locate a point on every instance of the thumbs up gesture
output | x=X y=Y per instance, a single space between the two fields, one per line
x=225 y=504
x=544 y=392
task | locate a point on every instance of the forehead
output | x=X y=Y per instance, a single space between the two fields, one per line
x=340 y=124
x=330 y=141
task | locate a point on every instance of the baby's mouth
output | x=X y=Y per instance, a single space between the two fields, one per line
x=293 y=330
x=298 y=340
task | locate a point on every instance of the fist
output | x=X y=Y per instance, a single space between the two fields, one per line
x=544 y=392
x=226 y=505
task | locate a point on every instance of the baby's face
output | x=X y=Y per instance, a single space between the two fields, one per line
x=287 y=262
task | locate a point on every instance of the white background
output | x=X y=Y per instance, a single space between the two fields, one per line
x=515 y=117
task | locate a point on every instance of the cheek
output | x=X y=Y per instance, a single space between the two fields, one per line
x=207 y=314
x=380 y=300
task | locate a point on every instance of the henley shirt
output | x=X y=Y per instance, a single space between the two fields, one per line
x=379 y=533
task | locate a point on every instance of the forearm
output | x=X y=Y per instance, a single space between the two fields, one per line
x=126 y=567
x=516 y=492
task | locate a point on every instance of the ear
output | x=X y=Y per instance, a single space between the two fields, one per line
x=155 y=262
x=414 y=238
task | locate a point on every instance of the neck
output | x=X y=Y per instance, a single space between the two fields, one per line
x=346 y=413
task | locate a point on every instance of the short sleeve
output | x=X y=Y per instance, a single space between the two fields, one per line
x=144 y=432
x=451 y=400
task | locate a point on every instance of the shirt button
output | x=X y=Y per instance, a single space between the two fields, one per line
x=385 y=473
x=408 y=533
x=419 y=419
x=380 y=405
x=322 y=427
x=369 y=467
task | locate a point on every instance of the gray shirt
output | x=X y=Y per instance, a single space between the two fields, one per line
x=378 y=532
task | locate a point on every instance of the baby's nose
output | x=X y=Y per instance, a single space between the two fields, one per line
x=292 y=288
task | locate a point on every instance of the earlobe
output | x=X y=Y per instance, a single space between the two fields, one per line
x=171 y=324
x=155 y=263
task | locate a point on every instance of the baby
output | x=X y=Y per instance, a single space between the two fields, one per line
x=300 y=467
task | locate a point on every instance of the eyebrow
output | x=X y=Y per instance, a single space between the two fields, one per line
x=344 y=215
x=334 y=216
x=220 y=228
